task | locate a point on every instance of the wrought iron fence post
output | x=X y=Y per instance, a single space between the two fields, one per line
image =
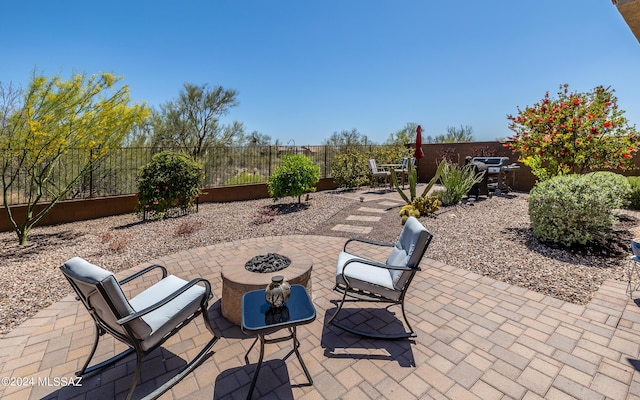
x=91 y=173
x=270 y=160
x=325 y=161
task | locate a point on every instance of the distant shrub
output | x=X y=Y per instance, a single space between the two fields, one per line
x=188 y=227
x=264 y=215
x=170 y=180
x=244 y=178
x=296 y=176
x=350 y=169
x=572 y=209
x=634 y=194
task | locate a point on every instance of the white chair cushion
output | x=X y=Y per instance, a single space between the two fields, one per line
x=167 y=317
x=365 y=277
x=362 y=272
x=91 y=275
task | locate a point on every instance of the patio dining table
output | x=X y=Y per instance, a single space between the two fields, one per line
x=396 y=167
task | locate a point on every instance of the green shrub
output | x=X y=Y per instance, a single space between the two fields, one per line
x=170 y=180
x=457 y=182
x=634 y=194
x=297 y=175
x=571 y=209
x=244 y=178
x=389 y=154
x=615 y=186
x=350 y=169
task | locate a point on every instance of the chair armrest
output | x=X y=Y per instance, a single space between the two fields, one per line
x=168 y=299
x=373 y=264
x=378 y=265
x=367 y=242
x=144 y=271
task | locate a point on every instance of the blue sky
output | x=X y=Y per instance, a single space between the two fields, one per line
x=305 y=69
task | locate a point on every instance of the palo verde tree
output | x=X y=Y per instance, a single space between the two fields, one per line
x=89 y=115
x=403 y=136
x=453 y=135
x=192 y=121
x=347 y=138
x=573 y=133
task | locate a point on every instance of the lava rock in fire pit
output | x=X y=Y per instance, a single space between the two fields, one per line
x=267 y=263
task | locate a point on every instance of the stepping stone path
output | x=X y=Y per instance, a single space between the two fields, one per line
x=365 y=215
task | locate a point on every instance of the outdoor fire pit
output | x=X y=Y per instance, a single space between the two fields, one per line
x=266 y=263
x=241 y=275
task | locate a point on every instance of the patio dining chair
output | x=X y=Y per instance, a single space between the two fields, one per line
x=403 y=170
x=364 y=279
x=375 y=174
x=143 y=322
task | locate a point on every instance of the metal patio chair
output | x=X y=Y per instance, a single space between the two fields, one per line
x=375 y=173
x=403 y=170
x=361 y=278
x=143 y=322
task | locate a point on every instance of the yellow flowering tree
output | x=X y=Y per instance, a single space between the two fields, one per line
x=89 y=115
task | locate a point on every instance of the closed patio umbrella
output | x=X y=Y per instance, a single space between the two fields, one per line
x=418 y=153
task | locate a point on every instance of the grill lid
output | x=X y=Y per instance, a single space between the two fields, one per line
x=492 y=161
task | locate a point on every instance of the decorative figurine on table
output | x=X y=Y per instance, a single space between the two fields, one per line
x=278 y=291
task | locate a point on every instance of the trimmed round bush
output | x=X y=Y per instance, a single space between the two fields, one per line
x=634 y=194
x=296 y=176
x=572 y=209
x=170 y=180
x=613 y=185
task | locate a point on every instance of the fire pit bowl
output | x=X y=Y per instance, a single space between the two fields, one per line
x=237 y=280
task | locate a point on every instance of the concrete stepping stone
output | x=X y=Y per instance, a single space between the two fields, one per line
x=352 y=228
x=389 y=203
x=372 y=210
x=364 y=218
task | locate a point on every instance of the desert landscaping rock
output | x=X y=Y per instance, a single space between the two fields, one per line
x=490 y=237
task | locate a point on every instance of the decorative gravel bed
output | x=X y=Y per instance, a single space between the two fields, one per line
x=490 y=237
x=30 y=279
x=493 y=237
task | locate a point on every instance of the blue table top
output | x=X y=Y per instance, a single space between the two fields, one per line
x=258 y=316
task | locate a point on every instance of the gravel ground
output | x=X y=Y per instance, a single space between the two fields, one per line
x=490 y=237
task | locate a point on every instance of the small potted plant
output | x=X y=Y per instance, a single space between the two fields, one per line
x=635 y=245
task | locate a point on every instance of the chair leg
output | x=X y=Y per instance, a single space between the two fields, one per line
x=93 y=351
x=185 y=371
x=344 y=296
x=406 y=321
x=136 y=375
x=372 y=335
x=86 y=370
x=207 y=320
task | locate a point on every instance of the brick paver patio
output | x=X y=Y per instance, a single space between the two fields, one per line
x=477 y=339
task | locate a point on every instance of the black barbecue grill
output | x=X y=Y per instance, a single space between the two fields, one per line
x=496 y=172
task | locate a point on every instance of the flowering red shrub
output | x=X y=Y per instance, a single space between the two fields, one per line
x=573 y=133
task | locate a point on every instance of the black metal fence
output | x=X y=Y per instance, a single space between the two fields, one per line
x=117 y=173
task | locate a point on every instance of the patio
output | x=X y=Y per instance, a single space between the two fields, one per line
x=477 y=339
